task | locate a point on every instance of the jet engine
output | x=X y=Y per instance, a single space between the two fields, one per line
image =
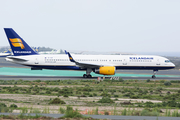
x=106 y=70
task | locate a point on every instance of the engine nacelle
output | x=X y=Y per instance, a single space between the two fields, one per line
x=106 y=70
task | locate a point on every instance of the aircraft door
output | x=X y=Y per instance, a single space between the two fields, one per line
x=124 y=62
x=36 y=61
x=158 y=62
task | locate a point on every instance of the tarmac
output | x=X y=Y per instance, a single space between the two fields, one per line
x=9 y=71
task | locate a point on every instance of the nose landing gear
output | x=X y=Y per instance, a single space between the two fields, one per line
x=154 y=75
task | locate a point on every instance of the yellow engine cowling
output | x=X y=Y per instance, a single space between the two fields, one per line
x=106 y=70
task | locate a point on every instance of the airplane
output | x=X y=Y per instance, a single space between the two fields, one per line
x=100 y=64
x=6 y=53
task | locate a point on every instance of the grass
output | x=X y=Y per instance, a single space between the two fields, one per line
x=21 y=116
x=152 y=90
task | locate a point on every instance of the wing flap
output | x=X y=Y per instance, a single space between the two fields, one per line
x=88 y=65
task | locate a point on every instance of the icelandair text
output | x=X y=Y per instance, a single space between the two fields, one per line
x=141 y=58
x=22 y=51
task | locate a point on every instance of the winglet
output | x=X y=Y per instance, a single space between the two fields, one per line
x=70 y=57
x=65 y=52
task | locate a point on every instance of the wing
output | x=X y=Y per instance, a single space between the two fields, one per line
x=83 y=64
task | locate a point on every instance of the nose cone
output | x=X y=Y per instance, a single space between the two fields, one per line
x=173 y=65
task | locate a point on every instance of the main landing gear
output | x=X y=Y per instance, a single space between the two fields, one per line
x=154 y=75
x=88 y=75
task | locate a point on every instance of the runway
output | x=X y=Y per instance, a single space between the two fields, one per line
x=4 y=77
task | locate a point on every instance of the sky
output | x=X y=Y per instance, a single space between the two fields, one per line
x=94 y=25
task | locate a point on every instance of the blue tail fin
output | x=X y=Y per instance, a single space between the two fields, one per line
x=37 y=49
x=70 y=57
x=18 y=45
x=9 y=51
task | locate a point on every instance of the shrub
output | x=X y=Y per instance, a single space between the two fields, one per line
x=159 y=88
x=87 y=89
x=70 y=113
x=86 y=93
x=65 y=96
x=121 y=80
x=62 y=110
x=116 y=95
x=145 y=92
x=134 y=96
x=69 y=82
x=168 y=92
x=83 y=95
x=124 y=112
x=106 y=100
x=105 y=94
x=90 y=95
x=86 y=85
x=3 y=108
x=65 y=91
x=167 y=83
x=148 y=80
x=171 y=103
x=3 y=105
x=162 y=81
x=94 y=94
x=146 y=112
x=100 y=89
x=35 y=110
x=149 y=104
x=37 y=81
x=57 y=101
x=13 y=106
x=48 y=92
x=56 y=89
x=106 y=113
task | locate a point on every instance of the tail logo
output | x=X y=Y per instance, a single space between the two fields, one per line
x=70 y=58
x=16 y=42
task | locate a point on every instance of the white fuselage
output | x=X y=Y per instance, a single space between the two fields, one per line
x=4 y=54
x=62 y=62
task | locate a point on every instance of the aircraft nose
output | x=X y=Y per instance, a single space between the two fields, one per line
x=173 y=65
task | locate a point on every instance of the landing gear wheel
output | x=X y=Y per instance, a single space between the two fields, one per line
x=153 y=76
x=85 y=76
x=89 y=76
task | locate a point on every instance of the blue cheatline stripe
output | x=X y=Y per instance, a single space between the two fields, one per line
x=144 y=67
x=29 y=72
x=117 y=67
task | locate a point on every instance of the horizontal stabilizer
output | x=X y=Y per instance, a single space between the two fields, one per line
x=17 y=59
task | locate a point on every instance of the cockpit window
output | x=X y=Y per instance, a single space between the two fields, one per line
x=167 y=61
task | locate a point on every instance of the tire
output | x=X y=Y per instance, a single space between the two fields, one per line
x=89 y=76
x=85 y=76
x=153 y=76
